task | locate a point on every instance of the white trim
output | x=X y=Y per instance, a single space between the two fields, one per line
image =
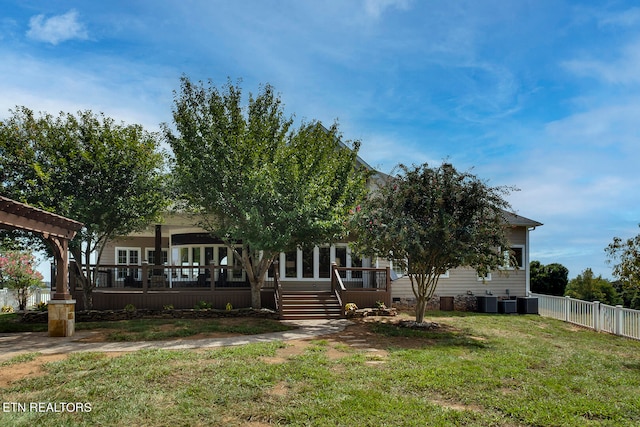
x=486 y=278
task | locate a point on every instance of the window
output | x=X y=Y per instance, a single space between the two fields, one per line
x=291 y=264
x=341 y=256
x=151 y=256
x=307 y=263
x=128 y=256
x=515 y=255
x=324 y=262
x=486 y=278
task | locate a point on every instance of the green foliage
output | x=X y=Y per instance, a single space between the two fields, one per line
x=7 y=309
x=437 y=219
x=86 y=167
x=624 y=255
x=589 y=288
x=129 y=307
x=41 y=306
x=203 y=305
x=167 y=307
x=548 y=279
x=18 y=274
x=251 y=177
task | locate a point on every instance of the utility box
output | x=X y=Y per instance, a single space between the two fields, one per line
x=487 y=304
x=527 y=305
x=507 y=306
x=446 y=303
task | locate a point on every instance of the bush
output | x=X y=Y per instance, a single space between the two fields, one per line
x=203 y=305
x=41 y=306
x=167 y=307
x=129 y=307
x=7 y=309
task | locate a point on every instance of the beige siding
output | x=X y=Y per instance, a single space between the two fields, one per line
x=463 y=281
x=143 y=243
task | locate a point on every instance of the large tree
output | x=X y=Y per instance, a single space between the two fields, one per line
x=588 y=287
x=254 y=180
x=550 y=279
x=435 y=219
x=87 y=167
x=624 y=255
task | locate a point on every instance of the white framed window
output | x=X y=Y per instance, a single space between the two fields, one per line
x=151 y=256
x=128 y=256
x=486 y=278
x=516 y=254
x=315 y=263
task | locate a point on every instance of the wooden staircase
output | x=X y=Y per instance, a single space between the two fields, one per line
x=304 y=305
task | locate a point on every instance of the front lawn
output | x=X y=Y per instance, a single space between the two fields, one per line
x=476 y=370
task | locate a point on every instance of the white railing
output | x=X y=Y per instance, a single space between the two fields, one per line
x=594 y=315
x=8 y=298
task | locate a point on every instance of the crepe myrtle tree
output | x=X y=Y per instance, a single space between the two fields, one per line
x=254 y=180
x=18 y=274
x=87 y=167
x=434 y=219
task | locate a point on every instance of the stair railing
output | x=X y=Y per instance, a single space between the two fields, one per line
x=337 y=287
x=277 y=287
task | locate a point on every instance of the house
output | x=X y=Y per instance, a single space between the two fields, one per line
x=195 y=266
x=465 y=283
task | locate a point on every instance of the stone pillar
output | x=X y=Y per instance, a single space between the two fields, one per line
x=62 y=318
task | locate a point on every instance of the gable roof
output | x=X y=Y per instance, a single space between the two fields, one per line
x=518 y=220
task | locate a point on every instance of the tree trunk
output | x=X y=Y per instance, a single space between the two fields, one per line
x=421 y=306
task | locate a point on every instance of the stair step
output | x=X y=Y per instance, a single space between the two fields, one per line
x=300 y=305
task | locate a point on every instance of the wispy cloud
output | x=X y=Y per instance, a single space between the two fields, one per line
x=57 y=29
x=375 y=8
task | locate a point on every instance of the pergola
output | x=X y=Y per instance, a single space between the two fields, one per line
x=56 y=229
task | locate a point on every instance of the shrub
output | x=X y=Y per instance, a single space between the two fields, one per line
x=168 y=307
x=41 y=306
x=129 y=307
x=7 y=309
x=229 y=306
x=203 y=305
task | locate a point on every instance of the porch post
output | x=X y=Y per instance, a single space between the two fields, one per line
x=61 y=307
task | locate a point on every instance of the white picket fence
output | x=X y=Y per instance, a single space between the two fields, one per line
x=8 y=298
x=594 y=315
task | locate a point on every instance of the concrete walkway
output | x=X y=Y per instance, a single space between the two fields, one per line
x=28 y=342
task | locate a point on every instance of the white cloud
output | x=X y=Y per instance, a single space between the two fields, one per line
x=375 y=8
x=57 y=28
x=621 y=70
x=627 y=18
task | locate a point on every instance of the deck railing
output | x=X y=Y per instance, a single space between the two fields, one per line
x=594 y=315
x=363 y=286
x=147 y=277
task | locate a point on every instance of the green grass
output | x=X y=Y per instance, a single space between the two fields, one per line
x=156 y=329
x=10 y=322
x=479 y=371
x=163 y=329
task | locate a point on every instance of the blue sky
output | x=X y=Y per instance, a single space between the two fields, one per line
x=542 y=95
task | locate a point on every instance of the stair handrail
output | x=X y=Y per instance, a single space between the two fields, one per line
x=337 y=287
x=277 y=286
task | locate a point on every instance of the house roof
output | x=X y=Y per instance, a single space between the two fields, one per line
x=16 y=215
x=518 y=220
